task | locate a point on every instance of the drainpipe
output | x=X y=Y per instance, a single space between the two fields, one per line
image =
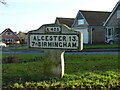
x=91 y=35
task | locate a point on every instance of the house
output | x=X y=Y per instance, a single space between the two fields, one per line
x=66 y=21
x=90 y=23
x=9 y=37
x=112 y=25
x=23 y=36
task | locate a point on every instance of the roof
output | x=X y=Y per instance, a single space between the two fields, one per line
x=113 y=11
x=8 y=29
x=66 y=21
x=95 y=18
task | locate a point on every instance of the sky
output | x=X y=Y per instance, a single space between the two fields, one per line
x=27 y=15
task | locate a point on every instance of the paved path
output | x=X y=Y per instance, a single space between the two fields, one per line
x=83 y=52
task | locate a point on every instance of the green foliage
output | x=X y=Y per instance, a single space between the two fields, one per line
x=91 y=80
x=10 y=59
x=81 y=72
x=101 y=46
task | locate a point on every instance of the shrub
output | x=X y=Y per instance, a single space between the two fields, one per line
x=10 y=59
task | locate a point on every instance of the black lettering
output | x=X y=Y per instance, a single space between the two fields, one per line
x=59 y=38
x=33 y=43
x=74 y=44
x=42 y=38
x=38 y=38
x=64 y=38
x=46 y=38
x=54 y=29
x=56 y=44
x=51 y=29
x=49 y=44
x=60 y=44
x=69 y=44
x=74 y=38
x=42 y=44
x=39 y=44
x=55 y=37
x=51 y=38
x=36 y=44
x=64 y=44
x=45 y=44
x=70 y=38
x=34 y=38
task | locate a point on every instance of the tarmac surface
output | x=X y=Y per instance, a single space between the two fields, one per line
x=83 y=52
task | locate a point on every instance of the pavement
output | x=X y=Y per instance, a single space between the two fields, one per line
x=83 y=52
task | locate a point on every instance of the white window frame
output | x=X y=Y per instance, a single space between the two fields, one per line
x=118 y=13
x=9 y=33
x=81 y=21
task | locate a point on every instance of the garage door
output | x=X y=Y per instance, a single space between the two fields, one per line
x=85 y=35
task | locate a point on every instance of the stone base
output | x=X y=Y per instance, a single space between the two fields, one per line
x=54 y=64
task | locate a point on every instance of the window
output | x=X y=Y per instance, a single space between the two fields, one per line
x=117 y=30
x=109 y=31
x=118 y=14
x=9 y=40
x=80 y=21
x=3 y=39
x=8 y=33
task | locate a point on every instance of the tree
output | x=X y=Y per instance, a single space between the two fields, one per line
x=3 y=2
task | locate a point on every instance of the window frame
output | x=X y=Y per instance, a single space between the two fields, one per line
x=9 y=33
x=118 y=13
x=81 y=21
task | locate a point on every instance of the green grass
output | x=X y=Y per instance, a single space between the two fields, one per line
x=18 y=47
x=85 y=47
x=80 y=70
x=22 y=56
x=101 y=46
x=76 y=63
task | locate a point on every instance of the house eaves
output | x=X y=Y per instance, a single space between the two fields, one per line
x=10 y=31
x=92 y=18
x=79 y=12
x=113 y=11
x=95 y=18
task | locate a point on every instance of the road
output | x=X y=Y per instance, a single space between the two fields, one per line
x=83 y=52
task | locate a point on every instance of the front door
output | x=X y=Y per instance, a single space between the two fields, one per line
x=109 y=34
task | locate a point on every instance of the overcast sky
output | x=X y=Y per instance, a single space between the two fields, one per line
x=26 y=15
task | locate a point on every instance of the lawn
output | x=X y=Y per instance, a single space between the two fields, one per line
x=85 y=46
x=81 y=71
x=101 y=46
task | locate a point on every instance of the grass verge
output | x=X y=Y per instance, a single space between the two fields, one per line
x=81 y=71
x=85 y=47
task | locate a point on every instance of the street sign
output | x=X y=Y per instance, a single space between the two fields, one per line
x=49 y=41
x=55 y=37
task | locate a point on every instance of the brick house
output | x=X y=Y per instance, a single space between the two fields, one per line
x=112 y=25
x=9 y=37
x=90 y=23
x=23 y=36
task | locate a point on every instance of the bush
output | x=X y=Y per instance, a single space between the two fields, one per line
x=10 y=59
x=14 y=59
